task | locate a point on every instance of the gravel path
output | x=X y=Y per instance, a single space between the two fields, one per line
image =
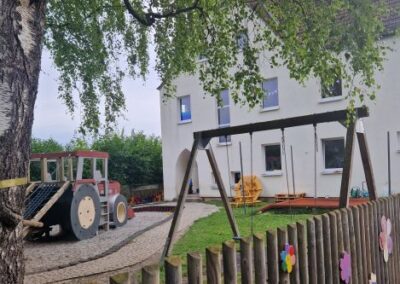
x=45 y=256
x=139 y=250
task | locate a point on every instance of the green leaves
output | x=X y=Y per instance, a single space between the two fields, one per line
x=134 y=160
x=96 y=43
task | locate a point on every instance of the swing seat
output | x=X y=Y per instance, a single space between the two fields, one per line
x=251 y=192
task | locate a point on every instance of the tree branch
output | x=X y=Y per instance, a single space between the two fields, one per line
x=148 y=19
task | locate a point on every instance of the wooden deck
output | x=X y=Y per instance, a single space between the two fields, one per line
x=309 y=202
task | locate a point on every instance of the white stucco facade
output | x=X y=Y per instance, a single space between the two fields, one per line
x=294 y=100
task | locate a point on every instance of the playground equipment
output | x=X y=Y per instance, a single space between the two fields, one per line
x=71 y=189
x=202 y=141
x=252 y=189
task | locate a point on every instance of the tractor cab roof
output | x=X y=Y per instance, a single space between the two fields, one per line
x=74 y=154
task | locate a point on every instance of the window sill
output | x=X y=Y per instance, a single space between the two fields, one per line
x=272 y=174
x=332 y=171
x=222 y=144
x=202 y=60
x=267 y=109
x=331 y=99
x=184 y=121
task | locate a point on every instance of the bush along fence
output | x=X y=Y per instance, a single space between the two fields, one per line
x=360 y=244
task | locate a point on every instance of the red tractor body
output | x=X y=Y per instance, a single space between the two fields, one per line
x=71 y=189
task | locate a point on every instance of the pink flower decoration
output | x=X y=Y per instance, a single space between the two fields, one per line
x=288 y=258
x=345 y=267
x=385 y=240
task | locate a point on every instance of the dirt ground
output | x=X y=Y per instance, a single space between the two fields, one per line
x=142 y=250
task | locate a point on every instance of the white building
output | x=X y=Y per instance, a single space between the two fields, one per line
x=191 y=111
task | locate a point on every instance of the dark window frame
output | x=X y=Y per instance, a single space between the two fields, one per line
x=267 y=164
x=333 y=91
x=338 y=162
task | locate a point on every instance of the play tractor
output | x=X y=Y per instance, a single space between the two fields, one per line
x=72 y=190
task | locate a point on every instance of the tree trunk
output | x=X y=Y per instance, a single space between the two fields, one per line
x=21 y=33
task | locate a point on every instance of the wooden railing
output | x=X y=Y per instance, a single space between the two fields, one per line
x=319 y=245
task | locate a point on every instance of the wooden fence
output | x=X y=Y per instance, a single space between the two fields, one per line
x=319 y=245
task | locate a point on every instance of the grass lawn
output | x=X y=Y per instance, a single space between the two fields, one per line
x=215 y=229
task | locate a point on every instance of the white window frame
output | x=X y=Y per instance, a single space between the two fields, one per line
x=271 y=108
x=273 y=172
x=326 y=171
x=180 y=120
x=201 y=58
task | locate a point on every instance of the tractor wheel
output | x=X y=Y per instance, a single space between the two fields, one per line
x=85 y=213
x=119 y=214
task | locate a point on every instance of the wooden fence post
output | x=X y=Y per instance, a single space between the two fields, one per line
x=293 y=240
x=393 y=235
x=376 y=226
x=327 y=247
x=364 y=230
x=173 y=270
x=396 y=233
x=151 y=274
x=358 y=244
x=282 y=241
x=272 y=256
x=312 y=252
x=213 y=263
x=195 y=268
x=368 y=246
x=246 y=266
x=384 y=269
x=319 y=240
x=397 y=239
x=229 y=261
x=335 y=250
x=260 y=268
x=302 y=252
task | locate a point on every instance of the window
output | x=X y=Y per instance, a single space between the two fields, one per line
x=224 y=117
x=184 y=109
x=242 y=40
x=236 y=177
x=333 y=150
x=270 y=88
x=273 y=158
x=335 y=90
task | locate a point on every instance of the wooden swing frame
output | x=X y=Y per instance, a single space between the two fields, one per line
x=202 y=142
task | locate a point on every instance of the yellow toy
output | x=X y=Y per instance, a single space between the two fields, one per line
x=251 y=192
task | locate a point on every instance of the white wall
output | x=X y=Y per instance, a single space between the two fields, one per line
x=294 y=100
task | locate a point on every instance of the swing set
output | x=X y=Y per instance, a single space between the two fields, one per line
x=202 y=142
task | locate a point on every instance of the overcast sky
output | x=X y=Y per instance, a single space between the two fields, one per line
x=52 y=119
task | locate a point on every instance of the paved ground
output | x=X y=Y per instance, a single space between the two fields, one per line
x=44 y=256
x=141 y=250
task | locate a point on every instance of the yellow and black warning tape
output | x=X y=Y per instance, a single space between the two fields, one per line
x=13 y=182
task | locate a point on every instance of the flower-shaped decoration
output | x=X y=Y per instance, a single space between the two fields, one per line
x=288 y=258
x=345 y=267
x=372 y=279
x=385 y=240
